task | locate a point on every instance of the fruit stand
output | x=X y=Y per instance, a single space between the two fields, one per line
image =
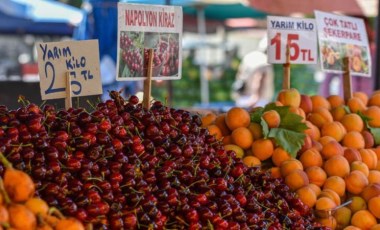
x=299 y=162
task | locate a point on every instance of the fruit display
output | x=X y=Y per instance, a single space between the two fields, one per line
x=327 y=151
x=20 y=209
x=122 y=166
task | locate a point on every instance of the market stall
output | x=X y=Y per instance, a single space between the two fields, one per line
x=298 y=162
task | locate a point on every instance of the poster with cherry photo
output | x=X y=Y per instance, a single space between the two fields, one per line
x=144 y=27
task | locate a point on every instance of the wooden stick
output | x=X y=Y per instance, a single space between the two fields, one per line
x=148 y=81
x=347 y=86
x=286 y=69
x=68 y=101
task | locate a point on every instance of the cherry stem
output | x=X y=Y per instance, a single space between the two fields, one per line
x=5 y=161
x=181 y=220
x=56 y=212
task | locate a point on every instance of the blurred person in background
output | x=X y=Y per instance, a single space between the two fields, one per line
x=254 y=83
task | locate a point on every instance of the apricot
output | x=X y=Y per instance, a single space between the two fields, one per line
x=338 y=113
x=320 y=116
x=19 y=185
x=373 y=112
x=306 y=104
x=374 y=100
x=316 y=175
x=369 y=140
x=289 y=97
x=333 y=129
x=237 y=117
x=352 y=122
x=356 y=105
x=369 y=191
x=363 y=219
x=69 y=224
x=352 y=155
x=262 y=149
x=369 y=157
x=353 y=139
x=320 y=101
x=356 y=181
x=272 y=118
x=335 y=101
x=337 y=166
x=20 y=217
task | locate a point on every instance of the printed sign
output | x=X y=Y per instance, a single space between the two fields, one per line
x=79 y=59
x=343 y=36
x=299 y=34
x=143 y=27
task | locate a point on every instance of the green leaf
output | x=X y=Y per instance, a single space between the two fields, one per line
x=265 y=127
x=256 y=116
x=293 y=122
x=290 y=141
x=376 y=134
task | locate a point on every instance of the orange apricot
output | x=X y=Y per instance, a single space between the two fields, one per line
x=262 y=149
x=296 y=179
x=369 y=157
x=320 y=116
x=307 y=196
x=353 y=139
x=335 y=101
x=361 y=166
x=237 y=117
x=333 y=129
x=356 y=181
x=336 y=166
x=242 y=137
x=289 y=166
x=356 y=105
x=316 y=175
x=311 y=157
x=363 y=219
x=332 y=148
x=336 y=184
x=319 y=101
x=374 y=206
x=280 y=155
x=272 y=118
x=352 y=122
x=352 y=155
x=373 y=112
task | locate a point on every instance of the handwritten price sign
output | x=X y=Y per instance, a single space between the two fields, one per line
x=79 y=59
x=298 y=34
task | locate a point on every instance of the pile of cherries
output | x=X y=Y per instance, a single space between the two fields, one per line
x=122 y=166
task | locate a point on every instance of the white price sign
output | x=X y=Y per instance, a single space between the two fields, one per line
x=299 y=34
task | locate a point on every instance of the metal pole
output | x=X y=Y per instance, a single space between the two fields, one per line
x=377 y=54
x=202 y=31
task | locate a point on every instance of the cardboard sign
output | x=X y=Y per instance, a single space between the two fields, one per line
x=143 y=27
x=299 y=34
x=78 y=58
x=343 y=36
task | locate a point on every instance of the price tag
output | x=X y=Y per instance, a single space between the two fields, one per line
x=78 y=58
x=299 y=34
x=342 y=36
x=143 y=27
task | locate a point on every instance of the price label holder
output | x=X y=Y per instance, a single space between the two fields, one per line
x=145 y=29
x=291 y=41
x=344 y=47
x=69 y=68
x=148 y=80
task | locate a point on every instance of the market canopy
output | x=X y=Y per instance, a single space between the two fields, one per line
x=38 y=17
x=366 y=8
